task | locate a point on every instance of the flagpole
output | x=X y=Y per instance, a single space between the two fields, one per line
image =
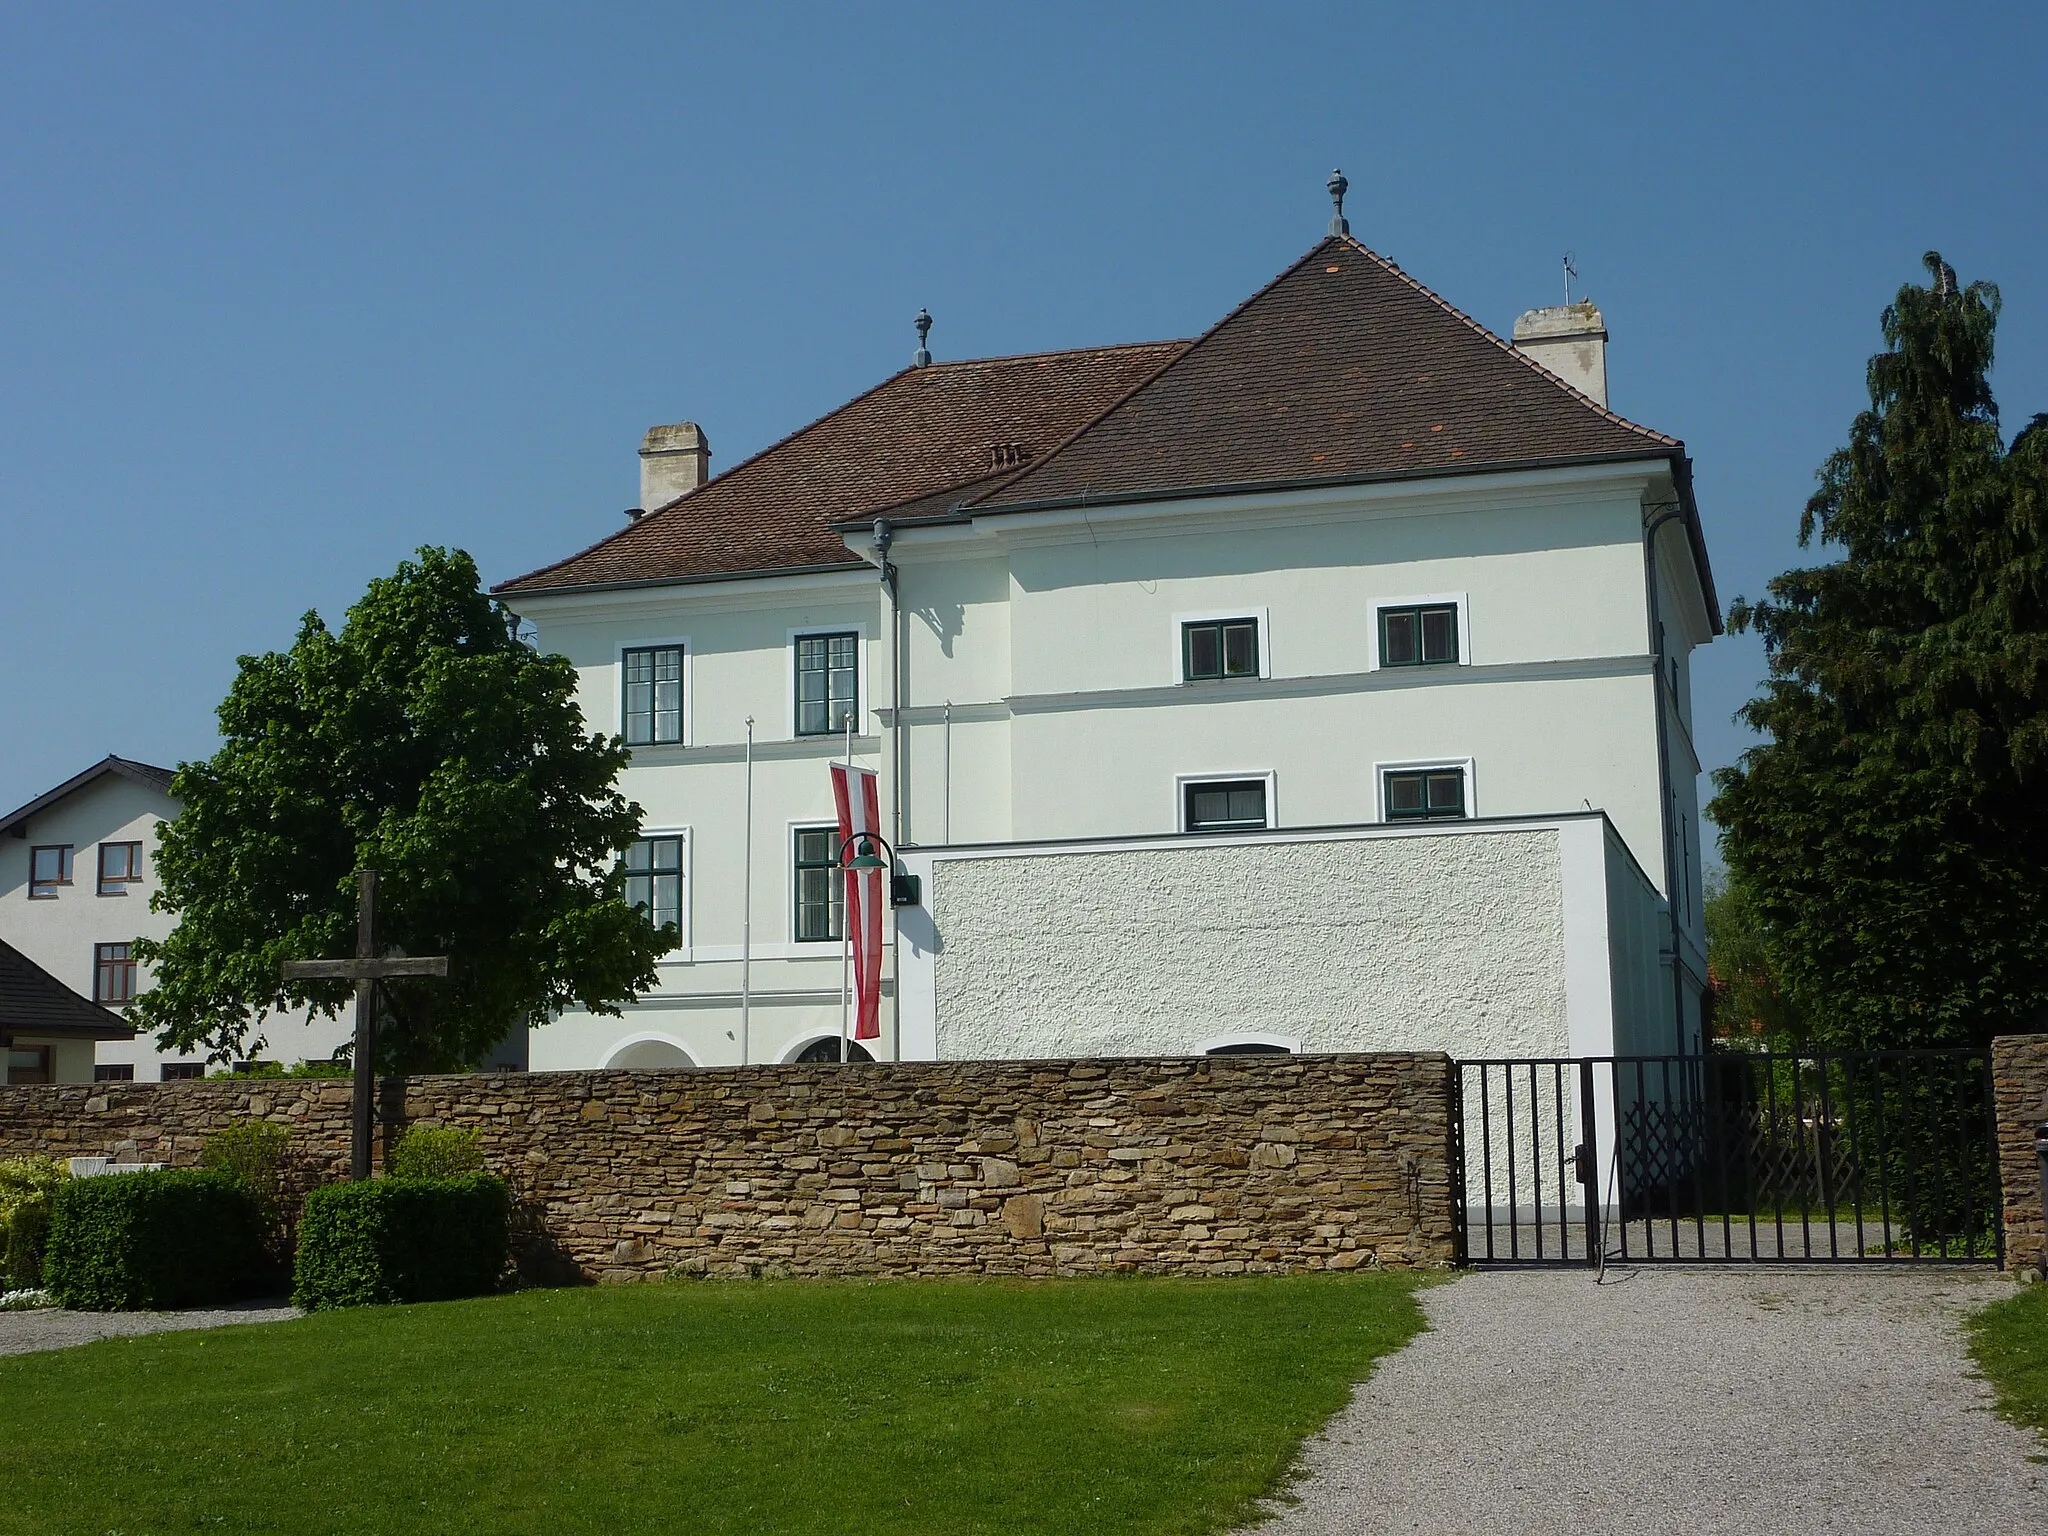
x=747 y=908
x=845 y=920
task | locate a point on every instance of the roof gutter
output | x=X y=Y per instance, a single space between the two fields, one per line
x=507 y=591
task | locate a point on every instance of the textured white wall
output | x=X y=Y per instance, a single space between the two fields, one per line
x=1406 y=943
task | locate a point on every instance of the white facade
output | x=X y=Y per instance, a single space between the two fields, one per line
x=69 y=927
x=1037 y=693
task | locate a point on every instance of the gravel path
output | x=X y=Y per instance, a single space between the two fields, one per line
x=1679 y=1401
x=23 y=1333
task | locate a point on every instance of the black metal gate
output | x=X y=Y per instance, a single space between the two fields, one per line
x=1735 y=1158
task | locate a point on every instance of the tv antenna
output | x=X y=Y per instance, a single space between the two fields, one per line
x=1570 y=273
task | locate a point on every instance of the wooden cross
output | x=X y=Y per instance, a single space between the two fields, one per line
x=365 y=970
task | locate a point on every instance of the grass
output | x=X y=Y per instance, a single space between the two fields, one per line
x=2009 y=1340
x=1101 y=1407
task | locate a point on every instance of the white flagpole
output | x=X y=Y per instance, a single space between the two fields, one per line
x=845 y=911
x=747 y=908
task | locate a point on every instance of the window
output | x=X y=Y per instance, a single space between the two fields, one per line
x=1225 y=805
x=1217 y=648
x=120 y=867
x=827 y=1049
x=654 y=880
x=28 y=1064
x=820 y=888
x=114 y=1072
x=113 y=974
x=827 y=683
x=654 y=696
x=1419 y=636
x=1248 y=1048
x=48 y=868
x=183 y=1071
x=1424 y=794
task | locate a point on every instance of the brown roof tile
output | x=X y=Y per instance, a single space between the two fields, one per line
x=1342 y=367
x=926 y=436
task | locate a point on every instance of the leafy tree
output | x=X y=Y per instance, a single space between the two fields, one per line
x=1749 y=999
x=426 y=742
x=1892 y=828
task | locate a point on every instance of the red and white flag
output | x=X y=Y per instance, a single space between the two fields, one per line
x=860 y=811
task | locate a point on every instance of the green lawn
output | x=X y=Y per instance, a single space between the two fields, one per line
x=2009 y=1339
x=1077 y=1407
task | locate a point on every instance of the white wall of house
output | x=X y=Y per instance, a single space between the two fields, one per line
x=1038 y=670
x=61 y=932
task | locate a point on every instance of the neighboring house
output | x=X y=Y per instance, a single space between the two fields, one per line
x=1152 y=616
x=77 y=869
x=47 y=1031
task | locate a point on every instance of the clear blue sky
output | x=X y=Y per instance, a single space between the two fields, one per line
x=288 y=291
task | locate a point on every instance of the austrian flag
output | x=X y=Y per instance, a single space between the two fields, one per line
x=860 y=811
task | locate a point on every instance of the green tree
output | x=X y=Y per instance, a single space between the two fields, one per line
x=427 y=742
x=1892 y=829
x=1749 y=999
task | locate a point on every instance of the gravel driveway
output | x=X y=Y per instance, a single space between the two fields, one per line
x=1679 y=1401
x=23 y=1333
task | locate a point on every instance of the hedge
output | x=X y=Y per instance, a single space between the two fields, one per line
x=385 y=1240
x=130 y=1242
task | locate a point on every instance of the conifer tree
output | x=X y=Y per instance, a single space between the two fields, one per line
x=1892 y=829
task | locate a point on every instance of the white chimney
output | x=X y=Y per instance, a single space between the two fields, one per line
x=1571 y=341
x=674 y=461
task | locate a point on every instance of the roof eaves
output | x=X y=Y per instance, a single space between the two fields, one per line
x=701 y=578
x=147 y=774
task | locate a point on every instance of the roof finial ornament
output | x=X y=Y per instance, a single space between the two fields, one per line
x=1339 y=225
x=924 y=329
x=1570 y=272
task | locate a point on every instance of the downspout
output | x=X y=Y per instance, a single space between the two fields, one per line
x=1664 y=809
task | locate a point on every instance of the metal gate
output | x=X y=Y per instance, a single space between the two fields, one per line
x=1735 y=1158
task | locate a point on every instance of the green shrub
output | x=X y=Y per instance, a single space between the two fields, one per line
x=436 y=1152
x=253 y=1155
x=384 y=1240
x=26 y=1184
x=129 y=1242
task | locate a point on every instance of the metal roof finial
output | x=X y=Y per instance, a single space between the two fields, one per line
x=924 y=329
x=1339 y=225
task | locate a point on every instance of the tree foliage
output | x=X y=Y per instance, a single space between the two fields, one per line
x=1749 y=1000
x=1892 y=828
x=426 y=742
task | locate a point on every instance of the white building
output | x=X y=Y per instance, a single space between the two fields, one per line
x=77 y=870
x=1152 y=616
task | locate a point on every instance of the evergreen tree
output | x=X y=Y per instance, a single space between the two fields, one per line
x=1892 y=829
x=428 y=743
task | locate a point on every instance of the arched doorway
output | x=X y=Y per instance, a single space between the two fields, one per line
x=650 y=1053
x=827 y=1049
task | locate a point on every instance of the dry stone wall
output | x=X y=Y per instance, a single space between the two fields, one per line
x=2019 y=1077
x=1204 y=1165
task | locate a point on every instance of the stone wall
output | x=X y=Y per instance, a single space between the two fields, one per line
x=2019 y=1073
x=1203 y=1165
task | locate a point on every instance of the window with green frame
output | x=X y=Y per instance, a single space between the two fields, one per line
x=1424 y=794
x=820 y=886
x=654 y=880
x=827 y=683
x=1421 y=635
x=1224 y=805
x=1219 y=648
x=653 y=695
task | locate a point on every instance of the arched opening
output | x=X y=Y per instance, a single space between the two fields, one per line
x=650 y=1053
x=827 y=1049
x=1248 y=1048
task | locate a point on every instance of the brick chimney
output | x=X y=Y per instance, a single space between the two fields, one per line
x=1571 y=341
x=674 y=461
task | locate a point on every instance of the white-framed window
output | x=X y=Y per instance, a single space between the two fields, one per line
x=1431 y=629
x=1437 y=789
x=828 y=679
x=1222 y=645
x=658 y=882
x=1224 y=802
x=817 y=885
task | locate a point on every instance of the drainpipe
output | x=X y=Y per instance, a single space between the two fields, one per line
x=1671 y=877
x=884 y=537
